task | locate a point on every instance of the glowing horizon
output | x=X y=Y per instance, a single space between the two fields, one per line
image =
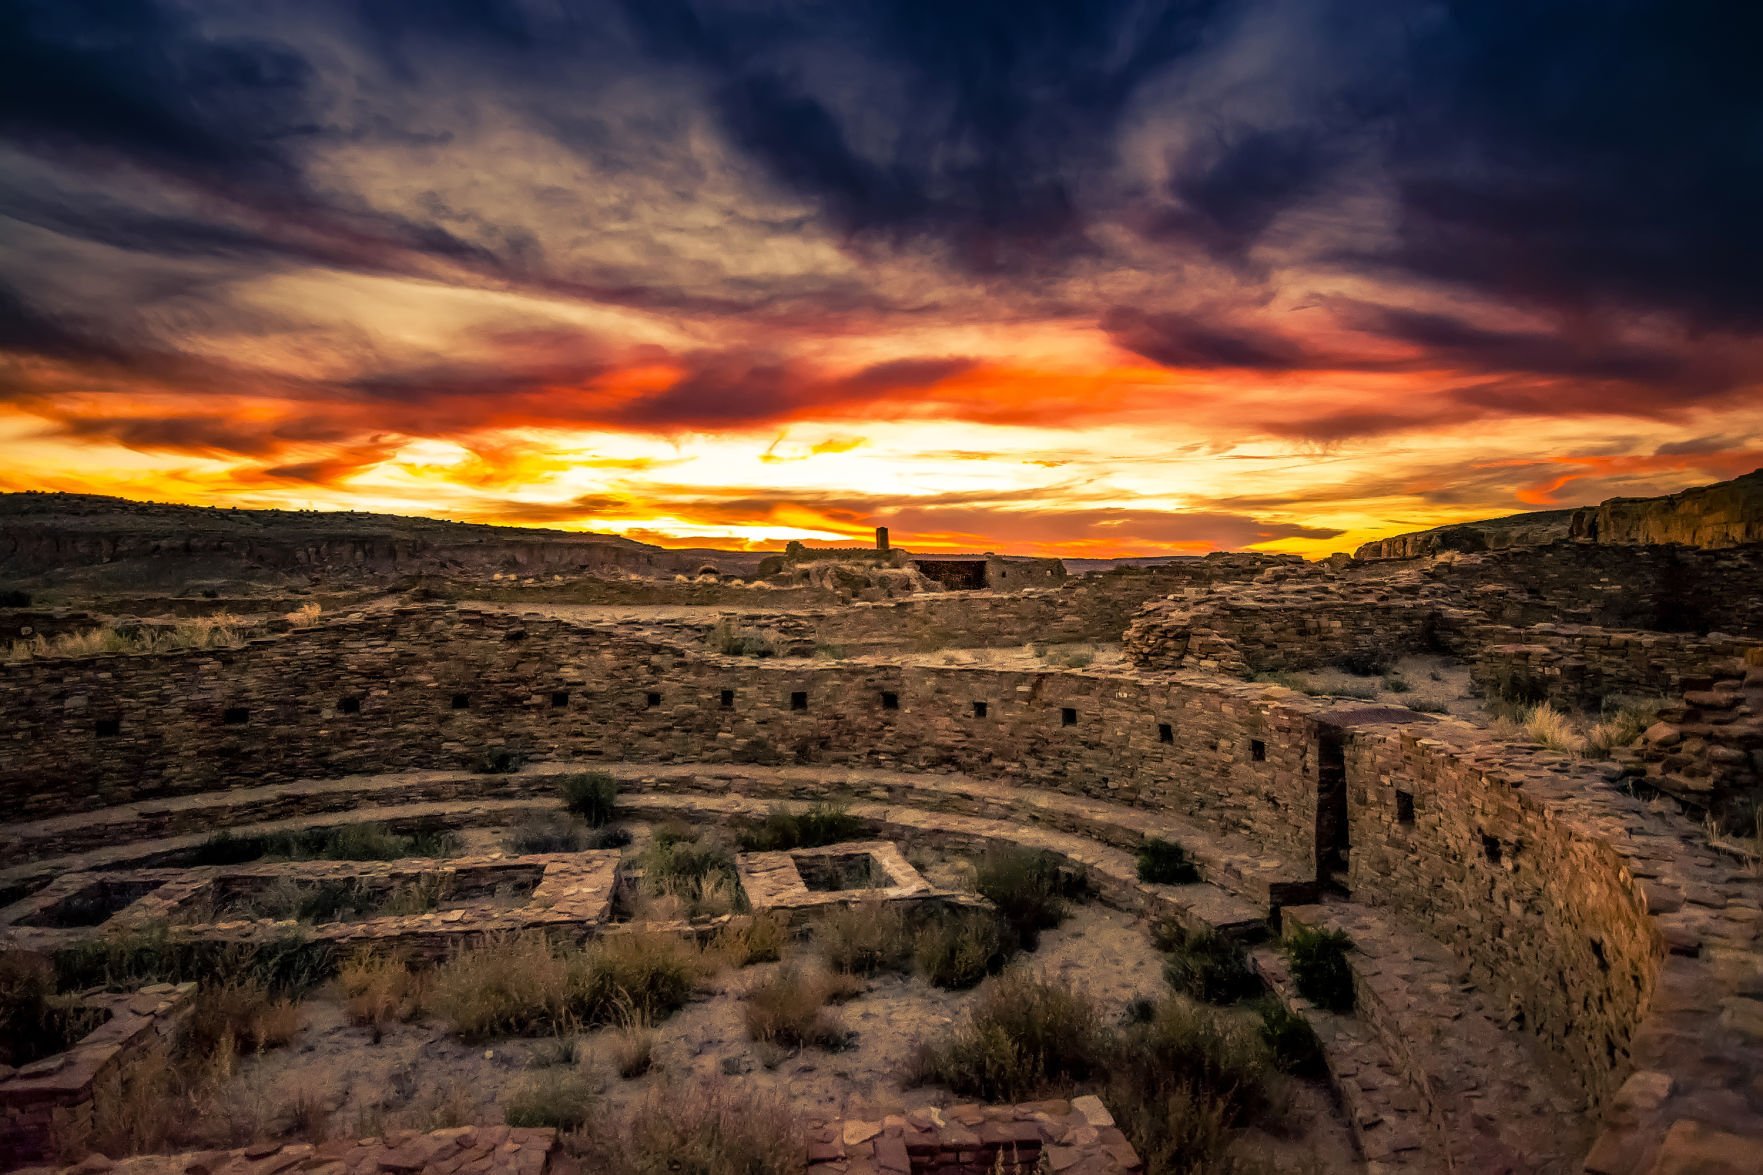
x=1094 y=280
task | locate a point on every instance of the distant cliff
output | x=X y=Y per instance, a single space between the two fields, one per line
x=1724 y=514
x=1720 y=515
x=50 y=537
x=1492 y=534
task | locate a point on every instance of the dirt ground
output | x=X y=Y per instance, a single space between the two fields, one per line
x=334 y=1079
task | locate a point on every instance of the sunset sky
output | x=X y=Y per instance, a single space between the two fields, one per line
x=1086 y=278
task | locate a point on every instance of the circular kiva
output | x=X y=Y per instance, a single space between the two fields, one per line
x=1549 y=975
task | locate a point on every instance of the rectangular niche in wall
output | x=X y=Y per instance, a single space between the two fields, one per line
x=1165 y=732
x=799 y=700
x=728 y=699
x=559 y=698
x=1068 y=716
x=890 y=700
x=348 y=705
x=1257 y=750
x=1404 y=807
x=461 y=701
x=980 y=709
x=652 y=700
x=235 y=716
x=107 y=727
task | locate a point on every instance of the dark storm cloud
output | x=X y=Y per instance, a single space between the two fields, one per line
x=1593 y=165
x=1586 y=153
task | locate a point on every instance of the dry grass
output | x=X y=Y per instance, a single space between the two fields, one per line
x=759 y=939
x=525 y=985
x=558 y=1098
x=378 y=989
x=709 y=1128
x=865 y=939
x=306 y=615
x=219 y=630
x=789 y=1010
x=1621 y=722
x=633 y=1049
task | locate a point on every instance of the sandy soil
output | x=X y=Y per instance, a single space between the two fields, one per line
x=1440 y=684
x=335 y=1079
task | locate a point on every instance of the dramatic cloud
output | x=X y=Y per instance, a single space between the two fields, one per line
x=1000 y=272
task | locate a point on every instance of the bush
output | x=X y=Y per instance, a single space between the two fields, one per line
x=1163 y=862
x=701 y=1129
x=1318 y=959
x=287 y=965
x=1290 y=1039
x=864 y=939
x=236 y=1017
x=1207 y=965
x=958 y=948
x=350 y=842
x=1182 y=1080
x=1024 y=1034
x=559 y=1099
x=789 y=1010
x=591 y=795
x=822 y=824
x=688 y=878
x=1027 y=888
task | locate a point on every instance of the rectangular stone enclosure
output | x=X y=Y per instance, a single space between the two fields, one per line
x=834 y=875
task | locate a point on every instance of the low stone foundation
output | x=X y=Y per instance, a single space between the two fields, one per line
x=1076 y=1137
x=462 y=1150
x=51 y=1100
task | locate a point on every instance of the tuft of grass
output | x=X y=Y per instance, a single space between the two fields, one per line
x=592 y=795
x=633 y=1049
x=1318 y=959
x=527 y=986
x=688 y=878
x=1553 y=729
x=560 y=833
x=1289 y=1038
x=760 y=939
x=1395 y=683
x=1164 y=862
x=822 y=824
x=1027 y=887
x=864 y=939
x=1207 y=965
x=789 y=1010
x=708 y=1128
x=378 y=989
x=288 y=965
x=958 y=948
x=557 y=1098
x=306 y=615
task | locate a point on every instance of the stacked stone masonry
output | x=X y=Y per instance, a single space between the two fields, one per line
x=1624 y=947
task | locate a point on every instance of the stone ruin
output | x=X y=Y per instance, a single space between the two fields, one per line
x=1555 y=968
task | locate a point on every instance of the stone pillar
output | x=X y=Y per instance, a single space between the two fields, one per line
x=881 y=538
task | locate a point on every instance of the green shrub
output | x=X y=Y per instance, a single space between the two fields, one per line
x=1207 y=965
x=592 y=795
x=1181 y=1081
x=958 y=948
x=1027 y=887
x=1290 y=1039
x=560 y=1099
x=1024 y=1034
x=1318 y=959
x=822 y=824
x=1163 y=862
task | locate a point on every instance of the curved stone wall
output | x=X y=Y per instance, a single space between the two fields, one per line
x=1620 y=944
